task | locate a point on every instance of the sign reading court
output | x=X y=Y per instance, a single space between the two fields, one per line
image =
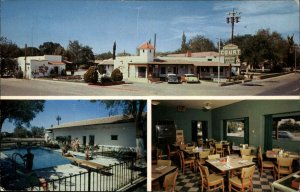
x=230 y=50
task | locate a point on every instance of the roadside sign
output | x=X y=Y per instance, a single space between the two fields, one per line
x=230 y=50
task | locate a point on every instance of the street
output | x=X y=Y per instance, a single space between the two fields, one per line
x=286 y=85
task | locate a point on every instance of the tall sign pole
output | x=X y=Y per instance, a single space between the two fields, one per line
x=219 y=61
x=233 y=17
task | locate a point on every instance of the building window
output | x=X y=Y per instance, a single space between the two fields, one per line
x=91 y=140
x=209 y=59
x=235 y=128
x=114 y=137
x=84 y=140
x=286 y=127
x=150 y=50
x=162 y=70
x=143 y=51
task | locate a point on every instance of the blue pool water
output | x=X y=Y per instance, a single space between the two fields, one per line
x=43 y=158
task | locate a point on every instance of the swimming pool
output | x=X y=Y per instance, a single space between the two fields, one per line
x=43 y=158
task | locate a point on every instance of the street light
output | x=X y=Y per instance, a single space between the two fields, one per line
x=234 y=17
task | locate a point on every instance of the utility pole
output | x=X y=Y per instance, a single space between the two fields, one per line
x=234 y=17
x=219 y=61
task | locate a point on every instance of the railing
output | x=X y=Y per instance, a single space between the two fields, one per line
x=113 y=151
x=14 y=159
x=110 y=178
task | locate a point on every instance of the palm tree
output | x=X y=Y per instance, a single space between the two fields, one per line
x=58 y=118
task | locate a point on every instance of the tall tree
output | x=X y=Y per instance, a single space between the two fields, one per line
x=37 y=131
x=136 y=109
x=184 y=46
x=78 y=53
x=20 y=111
x=8 y=49
x=20 y=131
x=103 y=56
x=114 y=51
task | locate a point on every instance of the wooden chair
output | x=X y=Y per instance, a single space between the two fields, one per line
x=276 y=150
x=247 y=157
x=284 y=166
x=189 y=162
x=264 y=165
x=203 y=155
x=244 y=182
x=170 y=181
x=171 y=153
x=164 y=162
x=219 y=149
x=182 y=146
x=212 y=181
x=238 y=171
x=245 y=152
x=215 y=156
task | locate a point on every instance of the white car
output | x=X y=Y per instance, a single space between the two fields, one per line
x=189 y=78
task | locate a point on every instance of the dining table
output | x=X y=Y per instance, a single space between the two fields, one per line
x=159 y=171
x=273 y=154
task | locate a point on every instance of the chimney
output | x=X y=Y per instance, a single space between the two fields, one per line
x=188 y=53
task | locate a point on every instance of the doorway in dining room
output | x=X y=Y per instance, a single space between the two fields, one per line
x=199 y=131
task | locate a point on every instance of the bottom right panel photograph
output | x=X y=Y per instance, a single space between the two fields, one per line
x=230 y=145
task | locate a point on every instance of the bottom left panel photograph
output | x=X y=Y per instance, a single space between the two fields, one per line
x=73 y=145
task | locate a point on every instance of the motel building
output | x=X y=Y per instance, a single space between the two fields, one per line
x=146 y=66
x=41 y=66
x=111 y=131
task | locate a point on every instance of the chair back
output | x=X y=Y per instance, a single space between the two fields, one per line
x=245 y=152
x=285 y=162
x=219 y=146
x=170 y=181
x=204 y=154
x=190 y=148
x=182 y=147
x=247 y=174
x=164 y=162
x=276 y=150
x=213 y=157
x=247 y=157
x=204 y=173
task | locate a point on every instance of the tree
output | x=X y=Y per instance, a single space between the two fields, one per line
x=103 y=56
x=79 y=54
x=114 y=51
x=199 y=44
x=58 y=118
x=20 y=131
x=136 y=109
x=37 y=131
x=184 y=46
x=50 y=48
x=9 y=49
x=20 y=111
x=123 y=54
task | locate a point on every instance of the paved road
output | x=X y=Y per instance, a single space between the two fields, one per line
x=278 y=86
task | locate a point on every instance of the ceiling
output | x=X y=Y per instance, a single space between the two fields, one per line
x=195 y=104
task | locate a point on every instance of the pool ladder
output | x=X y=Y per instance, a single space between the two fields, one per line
x=14 y=157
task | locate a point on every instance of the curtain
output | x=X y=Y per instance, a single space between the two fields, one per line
x=246 y=130
x=268 y=132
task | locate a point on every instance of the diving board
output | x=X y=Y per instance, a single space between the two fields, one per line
x=86 y=163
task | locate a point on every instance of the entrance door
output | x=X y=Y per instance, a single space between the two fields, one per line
x=199 y=130
x=84 y=140
x=91 y=140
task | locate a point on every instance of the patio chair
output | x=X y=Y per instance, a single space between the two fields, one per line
x=189 y=162
x=244 y=182
x=170 y=181
x=284 y=166
x=209 y=181
x=264 y=165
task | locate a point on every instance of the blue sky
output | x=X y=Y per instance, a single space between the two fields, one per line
x=68 y=110
x=130 y=23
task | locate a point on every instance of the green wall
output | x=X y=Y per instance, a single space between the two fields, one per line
x=183 y=120
x=254 y=109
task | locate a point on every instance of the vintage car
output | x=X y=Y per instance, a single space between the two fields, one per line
x=172 y=78
x=189 y=78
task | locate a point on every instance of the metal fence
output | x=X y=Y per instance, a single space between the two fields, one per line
x=110 y=178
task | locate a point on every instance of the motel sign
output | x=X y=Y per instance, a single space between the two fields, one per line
x=230 y=53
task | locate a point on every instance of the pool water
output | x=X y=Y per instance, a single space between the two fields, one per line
x=43 y=158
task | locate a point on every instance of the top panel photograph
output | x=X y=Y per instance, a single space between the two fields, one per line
x=149 y=48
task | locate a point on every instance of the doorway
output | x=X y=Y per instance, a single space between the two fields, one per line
x=199 y=130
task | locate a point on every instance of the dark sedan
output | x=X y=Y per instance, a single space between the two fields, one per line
x=172 y=78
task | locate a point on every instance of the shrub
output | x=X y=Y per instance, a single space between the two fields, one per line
x=19 y=74
x=117 y=75
x=106 y=79
x=91 y=75
x=277 y=68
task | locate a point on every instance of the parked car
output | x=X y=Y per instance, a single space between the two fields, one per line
x=286 y=135
x=189 y=78
x=172 y=78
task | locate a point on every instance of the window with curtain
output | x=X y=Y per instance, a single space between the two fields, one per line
x=286 y=127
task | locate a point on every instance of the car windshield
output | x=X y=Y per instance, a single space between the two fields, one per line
x=190 y=75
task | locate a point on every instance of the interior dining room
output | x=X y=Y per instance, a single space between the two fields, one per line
x=226 y=145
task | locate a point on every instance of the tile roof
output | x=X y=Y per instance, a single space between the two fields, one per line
x=146 y=45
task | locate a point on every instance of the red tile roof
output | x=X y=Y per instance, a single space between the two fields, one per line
x=146 y=46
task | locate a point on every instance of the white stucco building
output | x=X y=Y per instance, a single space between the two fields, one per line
x=39 y=66
x=114 y=130
x=105 y=66
x=146 y=65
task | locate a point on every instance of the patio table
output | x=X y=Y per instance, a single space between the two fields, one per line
x=285 y=183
